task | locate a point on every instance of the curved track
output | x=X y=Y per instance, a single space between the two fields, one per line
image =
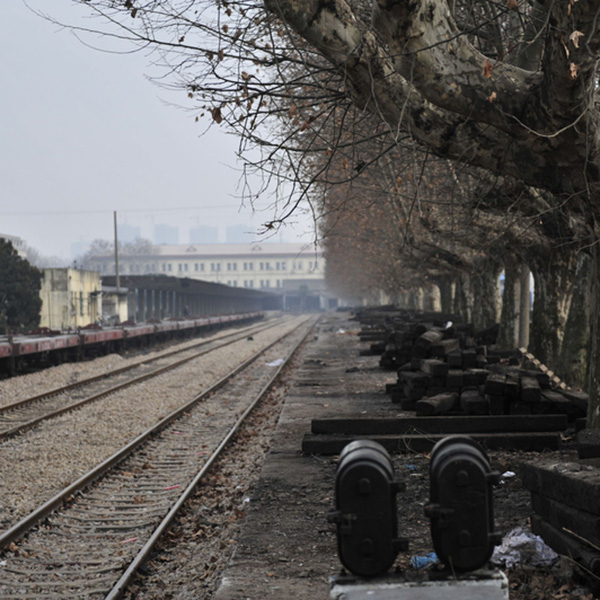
x=24 y=414
x=93 y=547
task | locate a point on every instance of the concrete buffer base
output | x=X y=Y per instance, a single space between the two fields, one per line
x=478 y=585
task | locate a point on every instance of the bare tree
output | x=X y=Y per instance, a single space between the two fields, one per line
x=99 y=247
x=507 y=87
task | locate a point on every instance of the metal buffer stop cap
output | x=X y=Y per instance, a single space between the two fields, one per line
x=461 y=503
x=365 y=514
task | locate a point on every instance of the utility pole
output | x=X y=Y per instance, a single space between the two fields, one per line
x=116 y=253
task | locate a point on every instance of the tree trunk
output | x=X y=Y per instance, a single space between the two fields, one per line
x=416 y=298
x=508 y=334
x=402 y=299
x=593 y=414
x=463 y=297
x=572 y=367
x=486 y=294
x=553 y=274
x=445 y=285
x=524 y=306
x=413 y=300
x=431 y=299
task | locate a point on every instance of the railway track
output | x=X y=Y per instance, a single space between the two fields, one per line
x=112 y=517
x=29 y=412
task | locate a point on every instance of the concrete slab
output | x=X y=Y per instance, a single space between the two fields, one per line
x=477 y=586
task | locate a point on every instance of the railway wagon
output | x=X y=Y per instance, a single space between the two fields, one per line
x=44 y=347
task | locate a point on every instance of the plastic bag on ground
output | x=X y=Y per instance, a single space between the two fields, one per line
x=276 y=363
x=521 y=547
x=422 y=562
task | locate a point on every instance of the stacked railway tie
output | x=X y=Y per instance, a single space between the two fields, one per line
x=444 y=369
x=565 y=502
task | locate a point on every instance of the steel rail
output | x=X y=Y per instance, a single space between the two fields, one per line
x=82 y=382
x=120 y=587
x=25 y=524
x=156 y=372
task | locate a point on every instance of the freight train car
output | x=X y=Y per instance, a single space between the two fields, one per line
x=46 y=347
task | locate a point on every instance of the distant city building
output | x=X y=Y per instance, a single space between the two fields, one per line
x=204 y=234
x=128 y=233
x=166 y=234
x=285 y=268
x=239 y=234
x=17 y=242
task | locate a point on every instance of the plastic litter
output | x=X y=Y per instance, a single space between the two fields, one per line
x=341 y=331
x=276 y=363
x=507 y=475
x=422 y=562
x=410 y=467
x=521 y=547
x=129 y=541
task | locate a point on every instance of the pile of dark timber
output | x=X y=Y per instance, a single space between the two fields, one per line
x=449 y=369
x=565 y=498
x=503 y=399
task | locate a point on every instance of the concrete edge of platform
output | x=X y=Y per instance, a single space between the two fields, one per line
x=483 y=585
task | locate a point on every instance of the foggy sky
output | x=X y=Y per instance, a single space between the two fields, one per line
x=84 y=133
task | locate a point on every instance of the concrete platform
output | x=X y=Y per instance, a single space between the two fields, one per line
x=481 y=585
x=287 y=548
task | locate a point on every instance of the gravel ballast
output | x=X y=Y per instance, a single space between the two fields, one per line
x=44 y=460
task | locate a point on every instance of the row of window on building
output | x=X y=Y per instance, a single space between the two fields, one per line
x=233 y=266
x=249 y=283
x=215 y=267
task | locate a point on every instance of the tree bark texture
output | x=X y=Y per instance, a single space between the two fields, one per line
x=524 y=306
x=463 y=297
x=416 y=70
x=553 y=274
x=420 y=72
x=572 y=367
x=593 y=415
x=486 y=294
